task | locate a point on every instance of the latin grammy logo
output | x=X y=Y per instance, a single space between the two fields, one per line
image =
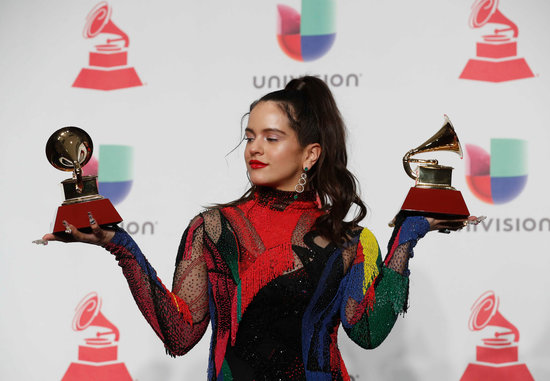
x=497 y=356
x=108 y=62
x=97 y=356
x=496 y=59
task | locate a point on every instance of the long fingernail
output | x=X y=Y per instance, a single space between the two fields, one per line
x=91 y=218
x=479 y=220
x=67 y=228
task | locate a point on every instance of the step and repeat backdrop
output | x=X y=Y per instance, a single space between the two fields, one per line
x=161 y=88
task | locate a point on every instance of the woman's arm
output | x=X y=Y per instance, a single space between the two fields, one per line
x=376 y=291
x=179 y=317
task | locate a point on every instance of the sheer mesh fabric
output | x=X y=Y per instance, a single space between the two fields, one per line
x=167 y=312
x=400 y=258
x=190 y=281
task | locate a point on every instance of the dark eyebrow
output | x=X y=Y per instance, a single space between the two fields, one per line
x=248 y=129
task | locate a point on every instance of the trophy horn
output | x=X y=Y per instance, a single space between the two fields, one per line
x=69 y=149
x=88 y=313
x=486 y=11
x=443 y=140
x=485 y=313
x=99 y=21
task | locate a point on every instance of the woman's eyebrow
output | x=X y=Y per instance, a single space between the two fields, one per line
x=266 y=130
x=274 y=130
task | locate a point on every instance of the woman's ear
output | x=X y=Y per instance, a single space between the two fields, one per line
x=312 y=154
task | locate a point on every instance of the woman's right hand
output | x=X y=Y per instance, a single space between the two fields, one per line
x=98 y=236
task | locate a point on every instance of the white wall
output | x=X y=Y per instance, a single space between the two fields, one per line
x=197 y=62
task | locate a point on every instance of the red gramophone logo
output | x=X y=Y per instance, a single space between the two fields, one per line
x=97 y=356
x=108 y=68
x=497 y=59
x=497 y=356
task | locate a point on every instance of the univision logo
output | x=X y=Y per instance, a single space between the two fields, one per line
x=498 y=177
x=309 y=36
x=113 y=170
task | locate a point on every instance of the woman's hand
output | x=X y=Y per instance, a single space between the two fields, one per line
x=446 y=226
x=98 y=236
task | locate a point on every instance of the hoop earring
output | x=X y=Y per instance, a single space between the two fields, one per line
x=301 y=186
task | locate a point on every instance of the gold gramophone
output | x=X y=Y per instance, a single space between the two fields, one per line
x=433 y=193
x=69 y=149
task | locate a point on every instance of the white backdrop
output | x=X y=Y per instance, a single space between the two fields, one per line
x=200 y=64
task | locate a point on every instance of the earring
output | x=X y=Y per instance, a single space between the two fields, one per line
x=300 y=187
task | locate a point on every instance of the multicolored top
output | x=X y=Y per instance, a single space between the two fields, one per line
x=273 y=290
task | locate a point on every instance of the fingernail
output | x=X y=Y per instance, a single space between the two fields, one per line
x=479 y=220
x=65 y=223
x=91 y=218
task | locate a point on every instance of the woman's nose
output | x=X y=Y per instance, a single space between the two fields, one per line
x=255 y=147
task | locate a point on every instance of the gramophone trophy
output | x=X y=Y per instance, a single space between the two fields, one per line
x=69 y=149
x=496 y=55
x=497 y=357
x=108 y=68
x=97 y=356
x=433 y=194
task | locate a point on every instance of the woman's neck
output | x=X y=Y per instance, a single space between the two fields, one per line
x=280 y=200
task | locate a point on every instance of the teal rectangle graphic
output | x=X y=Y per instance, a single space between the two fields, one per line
x=115 y=163
x=318 y=17
x=508 y=157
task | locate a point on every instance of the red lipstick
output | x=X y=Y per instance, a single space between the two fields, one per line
x=255 y=164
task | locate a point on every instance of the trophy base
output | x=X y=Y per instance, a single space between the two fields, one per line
x=489 y=372
x=101 y=79
x=435 y=202
x=85 y=371
x=496 y=71
x=77 y=214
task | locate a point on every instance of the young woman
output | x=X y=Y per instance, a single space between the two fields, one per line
x=277 y=271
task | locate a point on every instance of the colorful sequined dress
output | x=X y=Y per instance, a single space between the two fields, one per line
x=274 y=292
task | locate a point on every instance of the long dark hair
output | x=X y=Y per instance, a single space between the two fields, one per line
x=312 y=112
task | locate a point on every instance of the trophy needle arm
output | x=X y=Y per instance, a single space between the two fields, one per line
x=78 y=176
x=407 y=166
x=407 y=160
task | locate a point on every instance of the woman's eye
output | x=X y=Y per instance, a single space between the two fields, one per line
x=248 y=139
x=271 y=139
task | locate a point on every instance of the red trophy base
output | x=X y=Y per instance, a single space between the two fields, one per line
x=489 y=372
x=90 y=372
x=94 y=367
x=105 y=79
x=496 y=71
x=428 y=201
x=496 y=364
x=77 y=214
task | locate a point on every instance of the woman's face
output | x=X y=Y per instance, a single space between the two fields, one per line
x=273 y=155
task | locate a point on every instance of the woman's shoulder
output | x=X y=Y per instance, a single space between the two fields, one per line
x=208 y=217
x=353 y=235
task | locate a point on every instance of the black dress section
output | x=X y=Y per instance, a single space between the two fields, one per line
x=269 y=340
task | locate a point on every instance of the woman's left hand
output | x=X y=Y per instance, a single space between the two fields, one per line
x=446 y=226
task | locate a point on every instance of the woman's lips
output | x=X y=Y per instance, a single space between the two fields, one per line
x=255 y=164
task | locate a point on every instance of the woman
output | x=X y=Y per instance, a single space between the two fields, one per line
x=279 y=269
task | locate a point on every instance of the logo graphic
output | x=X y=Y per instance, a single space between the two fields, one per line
x=501 y=176
x=113 y=170
x=496 y=59
x=310 y=36
x=496 y=356
x=108 y=62
x=97 y=356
